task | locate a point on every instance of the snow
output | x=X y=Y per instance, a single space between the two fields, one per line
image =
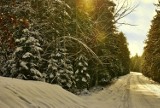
x=34 y=94
x=53 y=67
x=27 y=55
x=51 y=75
x=36 y=72
x=80 y=64
x=30 y=40
x=18 y=49
x=77 y=71
x=130 y=91
x=24 y=65
x=58 y=55
x=17 y=40
x=84 y=68
x=25 y=30
x=84 y=79
x=88 y=75
x=36 y=48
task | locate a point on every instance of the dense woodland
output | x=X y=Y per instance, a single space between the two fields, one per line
x=136 y=63
x=64 y=42
x=151 y=55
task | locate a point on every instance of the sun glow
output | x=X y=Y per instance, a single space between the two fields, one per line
x=87 y=5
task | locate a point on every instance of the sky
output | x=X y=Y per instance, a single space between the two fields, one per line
x=141 y=17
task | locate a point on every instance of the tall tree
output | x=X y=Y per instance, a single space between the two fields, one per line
x=151 y=55
x=26 y=57
x=123 y=56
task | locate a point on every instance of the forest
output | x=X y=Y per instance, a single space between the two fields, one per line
x=151 y=55
x=135 y=63
x=70 y=43
x=73 y=54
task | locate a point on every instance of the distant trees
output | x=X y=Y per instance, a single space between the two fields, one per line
x=151 y=55
x=59 y=42
x=136 y=62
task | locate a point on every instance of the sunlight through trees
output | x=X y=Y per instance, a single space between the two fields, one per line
x=75 y=44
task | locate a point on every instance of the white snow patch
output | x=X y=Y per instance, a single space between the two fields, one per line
x=24 y=65
x=27 y=54
x=30 y=40
x=18 y=49
x=84 y=79
x=15 y=93
x=35 y=71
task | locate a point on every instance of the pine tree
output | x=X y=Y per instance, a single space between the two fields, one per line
x=26 y=57
x=82 y=77
x=60 y=70
x=103 y=41
x=123 y=55
x=151 y=55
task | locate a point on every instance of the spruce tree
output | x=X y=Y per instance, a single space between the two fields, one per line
x=150 y=66
x=123 y=55
x=60 y=70
x=82 y=77
x=26 y=57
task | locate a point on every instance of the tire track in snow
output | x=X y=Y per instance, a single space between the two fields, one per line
x=126 y=94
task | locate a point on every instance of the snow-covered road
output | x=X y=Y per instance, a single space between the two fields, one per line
x=130 y=91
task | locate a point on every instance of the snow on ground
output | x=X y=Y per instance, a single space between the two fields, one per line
x=16 y=93
x=130 y=91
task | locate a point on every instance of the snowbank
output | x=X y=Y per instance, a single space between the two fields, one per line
x=15 y=93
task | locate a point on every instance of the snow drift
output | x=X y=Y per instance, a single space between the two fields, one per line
x=15 y=93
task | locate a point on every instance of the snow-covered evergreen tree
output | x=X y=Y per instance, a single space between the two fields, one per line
x=81 y=76
x=52 y=70
x=60 y=69
x=26 y=57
